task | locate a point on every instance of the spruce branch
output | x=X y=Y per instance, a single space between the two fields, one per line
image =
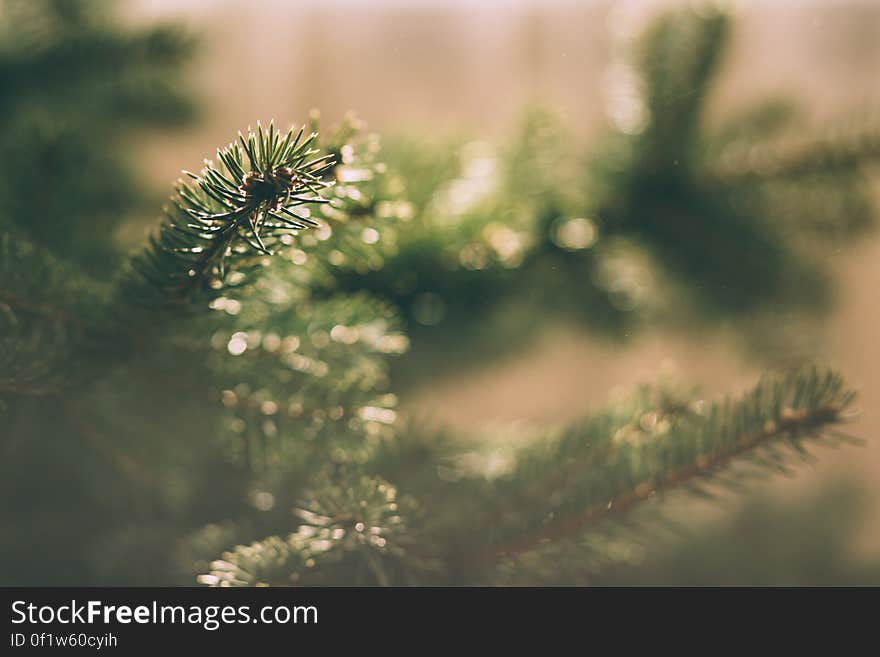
x=716 y=208
x=304 y=369
x=557 y=490
x=638 y=462
x=679 y=56
x=791 y=422
x=302 y=377
x=233 y=212
x=355 y=529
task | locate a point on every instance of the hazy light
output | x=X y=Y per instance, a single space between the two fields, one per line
x=262 y=500
x=575 y=234
x=237 y=344
x=370 y=235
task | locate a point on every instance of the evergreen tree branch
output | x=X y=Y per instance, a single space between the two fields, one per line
x=795 y=159
x=566 y=528
x=559 y=489
x=634 y=465
x=680 y=53
x=228 y=217
x=354 y=529
x=302 y=377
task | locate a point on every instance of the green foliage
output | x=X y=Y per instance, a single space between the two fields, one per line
x=353 y=531
x=725 y=211
x=553 y=497
x=74 y=83
x=42 y=321
x=183 y=402
x=238 y=373
x=667 y=218
x=231 y=212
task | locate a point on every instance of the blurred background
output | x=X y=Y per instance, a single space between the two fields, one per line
x=432 y=69
x=448 y=75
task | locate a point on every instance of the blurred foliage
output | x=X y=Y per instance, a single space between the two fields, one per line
x=667 y=219
x=163 y=409
x=74 y=81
